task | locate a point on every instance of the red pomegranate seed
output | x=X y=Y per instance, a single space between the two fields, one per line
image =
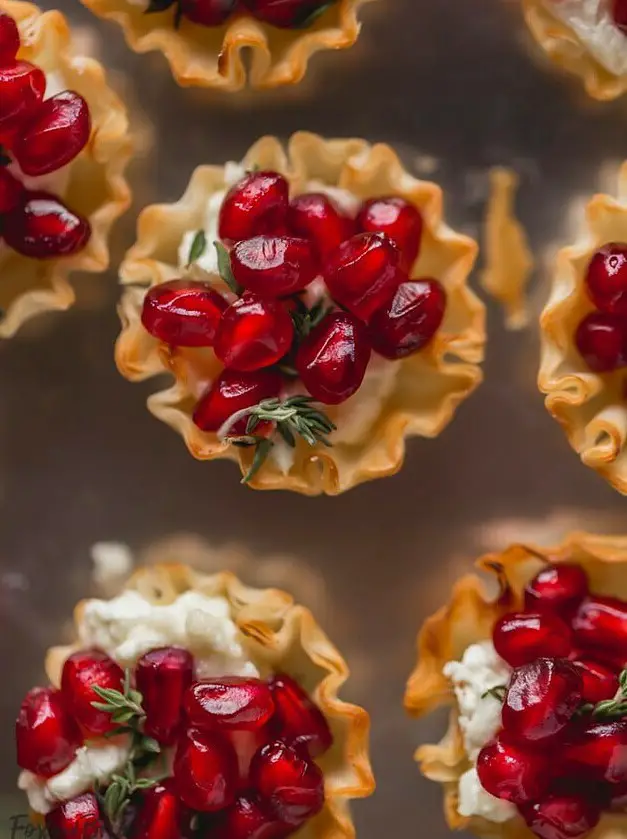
x=316 y=217
x=42 y=227
x=399 y=220
x=410 y=320
x=521 y=637
x=619 y=13
x=54 y=135
x=11 y=190
x=232 y=392
x=23 y=86
x=160 y=814
x=255 y=206
x=602 y=622
x=254 y=332
x=598 y=681
x=77 y=819
x=286 y=14
x=46 y=733
x=274 y=266
x=291 y=784
x=599 y=751
x=207 y=12
x=541 y=699
x=362 y=274
x=183 y=313
x=562 y=817
x=511 y=773
x=9 y=39
x=231 y=703
x=205 y=770
x=606 y=278
x=82 y=672
x=297 y=718
x=332 y=359
x=163 y=676
x=247 y=819
x=557 y=588
x=602 y=341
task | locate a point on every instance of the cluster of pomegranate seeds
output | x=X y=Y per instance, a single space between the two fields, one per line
x=285 y=14
x=37 y=136
x=561 y=755
x=243 y=749
x=314 y=291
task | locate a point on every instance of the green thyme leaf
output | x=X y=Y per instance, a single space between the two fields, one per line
x=224 y=267
x=197 y=248
x=609 y=709
x=313 y=17
x=498 y=692
x=262 y=450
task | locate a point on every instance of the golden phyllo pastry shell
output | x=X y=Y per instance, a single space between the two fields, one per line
x=212 y=56
x=96 y=186
x=280 y=636
x=468 y=619
x=591 y=407
x=565 y=49
x=428 y=385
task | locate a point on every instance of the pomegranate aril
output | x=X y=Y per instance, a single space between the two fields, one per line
x=290 y=783
x=601 y=340
x=42 y=227
x=160 y=814
x=512 y=773
x=46 y=734
x=410 y=320
x=521 y=637
x=562 y=817
x=601 y=622
x=606 y=278
x=11 y=191
x=273 y=266
x=316 y=217
x=332 y=360
x=162 y=677
x=542 y=698
x=599 y=682
x=232 y=392
x=285 y=14
x=23 y=86
x=79 y=818
x=399 y=220
x=619 y=13
x=207 y=12
x=183 y=313
x=232 y=702
x=9 y=39
x=297 y=718
x=254 y=332
x=246 y=818
x=599 y=751
x=557 y=588
x=205 y=770
x=54 y=135
x=256 y=205
x=362 y=274
x=82 y=672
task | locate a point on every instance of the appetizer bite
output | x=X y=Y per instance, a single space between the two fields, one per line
x=64 y=144
x=192 y=705
x=537 y=681
x=313 y=308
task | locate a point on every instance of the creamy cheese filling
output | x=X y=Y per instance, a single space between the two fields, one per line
x=479 y=670
x=126 y=627
x=592 y=22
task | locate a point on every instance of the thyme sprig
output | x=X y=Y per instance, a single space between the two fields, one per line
x=293 y=417
x=197 y=247
x=498 y=692
x=609 y=709
x=126 y=712
x=305 y=319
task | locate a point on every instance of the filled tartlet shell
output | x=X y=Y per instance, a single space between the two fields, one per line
x=96 y=187
x=591 y=407
x=279 y=636
x=213 y=56
x=475 y=606
x=428 y=385
x=566 y=50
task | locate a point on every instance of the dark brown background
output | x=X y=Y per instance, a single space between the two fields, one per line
x=81 y=460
